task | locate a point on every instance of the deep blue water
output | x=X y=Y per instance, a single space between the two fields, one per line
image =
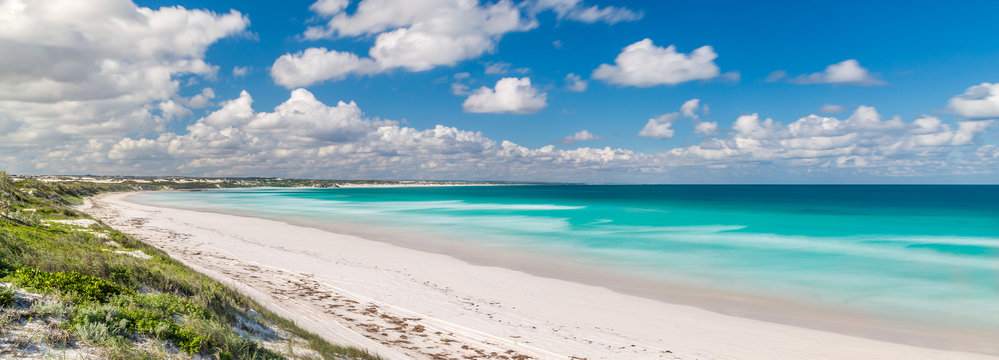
x=909 y=251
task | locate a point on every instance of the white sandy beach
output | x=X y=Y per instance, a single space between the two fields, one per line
x=407 y=304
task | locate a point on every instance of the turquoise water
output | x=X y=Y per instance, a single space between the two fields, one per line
x=914 y=252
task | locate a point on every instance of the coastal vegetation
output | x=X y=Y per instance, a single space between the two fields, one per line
x=71 y=285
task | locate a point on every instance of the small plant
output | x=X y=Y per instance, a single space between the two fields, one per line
x=7 y=295
x=50 y=308
x=190 y=340
x=94 y=333
x=5 y=267
x=57 y=336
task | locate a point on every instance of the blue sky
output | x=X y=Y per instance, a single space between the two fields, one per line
x=896 y=59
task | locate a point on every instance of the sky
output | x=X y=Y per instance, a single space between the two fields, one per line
x=529 y=90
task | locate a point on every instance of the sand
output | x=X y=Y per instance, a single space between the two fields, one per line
x=403 y=303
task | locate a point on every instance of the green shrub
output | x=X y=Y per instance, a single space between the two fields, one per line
x=81 y=287
x=7 y=295
x=189 y=340
x=5 y=267
x=164 y=305
x=94 y=333
x=51 y=308
x=146 y=314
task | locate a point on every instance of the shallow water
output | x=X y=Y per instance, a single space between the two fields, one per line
x=927 y=253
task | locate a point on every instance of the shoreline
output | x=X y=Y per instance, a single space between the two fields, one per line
x=483 y=304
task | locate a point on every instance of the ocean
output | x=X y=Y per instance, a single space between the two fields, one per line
x=925 y=253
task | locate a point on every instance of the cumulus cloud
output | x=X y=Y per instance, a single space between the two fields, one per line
x=643 y=64
x=305 y=136
x=576 y=10
x=318 y=64
x=690 y=108
x=329 y=7
x=421 y=35
x=659 y=127
x=977 y=102
x=581 y=135
x=845 y=72
x=863 y=140
x=575 y=83
x=510 y=95
x=75 y=73
x=413 y=35
x=706 y=128
x=202 y=100
x=95 y=87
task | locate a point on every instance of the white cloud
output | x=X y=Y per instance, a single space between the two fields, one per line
x=240 y=71
x=171 y=110
x=659 y=126
x=863 y=140
x=582 y=135
x=690 y=108
x=318 y=64
x=644 y=64
x=511 y=95
x=706 y=128
x=575 y=83
x=204 y=99
x=831 y=109
x=459 y=89
x=845 y=72
x=72 y=73
x=421 y=35
x=305 y=136
x=413 y=35
x=104 y=50
x=977 y=102
x=93 y=88
x=988 y=152
x=751 y=126
x=329 y=7
x=575 y=10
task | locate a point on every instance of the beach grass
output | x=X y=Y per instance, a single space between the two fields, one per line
x=112 y=292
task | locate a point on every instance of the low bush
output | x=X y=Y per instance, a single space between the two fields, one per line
x=94 y=333
x=7 y=296
x=80 y=287
x=50 y=308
